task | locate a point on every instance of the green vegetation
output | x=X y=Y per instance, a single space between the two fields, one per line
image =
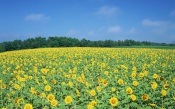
x=41 y=42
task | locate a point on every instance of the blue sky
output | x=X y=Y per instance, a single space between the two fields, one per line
x=142 y=20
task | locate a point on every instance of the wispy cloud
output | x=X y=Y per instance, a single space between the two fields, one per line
x=172 y=13
x=108 y=11
x=36 y=17
x=72 y=32
x=114 y=29
x=148 y=22
x=131 y=31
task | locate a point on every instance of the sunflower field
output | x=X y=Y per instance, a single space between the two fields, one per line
x=87 y=78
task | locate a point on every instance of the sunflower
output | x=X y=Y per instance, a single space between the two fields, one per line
x=92 y=93
x=50 y=97
x=113 y=89
x=133 y=74
x=3 y=86
x=163 y=92
x=155 y=76
x=90 y=106
x=145 y=97
x=28 y=106
x=54 y=102
x=133 y=97
x=93 y=103
x=43 y=95
x=120 y=81
x=98 y=88
x=73 y=76
x=54 y=81
x=113 y=101
x=141 y=75
x=154 y=85
x=129 y=90
x=70 y=84
x=17 y=86
x=68 y=99
x=106 y=72
x=47 y=88
x=135 y=83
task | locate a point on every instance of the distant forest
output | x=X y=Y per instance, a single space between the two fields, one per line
x=41 y=42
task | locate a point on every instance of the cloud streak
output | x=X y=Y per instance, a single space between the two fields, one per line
x=36 y=17
x=172 y=13
x=114 y=29
x=148 y=22
x=108 y=11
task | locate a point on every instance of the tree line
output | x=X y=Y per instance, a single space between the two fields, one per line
x=42 y=42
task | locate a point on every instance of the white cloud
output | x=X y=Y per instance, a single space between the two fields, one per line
x=148 y=22
x=36 y=17
x=114 y=29
x=72 y=32
x=172 y=13
x=108 y=11
x=91 y=33
x=132 y=31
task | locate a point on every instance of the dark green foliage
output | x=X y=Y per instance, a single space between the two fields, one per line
x=41 y=42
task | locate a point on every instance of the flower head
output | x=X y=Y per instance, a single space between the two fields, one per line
x=113 y=101
x=145 y=97
x=129 y=90
x=68 y=99
x=28 y=106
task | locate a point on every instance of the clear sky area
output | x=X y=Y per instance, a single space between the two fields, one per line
x=140 y=20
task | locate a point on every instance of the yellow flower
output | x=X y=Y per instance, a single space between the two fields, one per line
x=70 y=84
x=32 y=90
x=113 y=101
x=78 y=92
x=141 y=75
x=54 y=81
x=28 y=106
x=113 y=89
x=54 y=102
x=129 y=90
x=120 y=81
x=154 y=85
x=73 y=76
x=3 y=86
x=30 y=77
x=68 y=99
x=115 y=71
x=145 y=97
x=47 y=88
x=133 y=97
x=134 y=68
x=98 y=88
x=166 y=85
x=152 y=104
x=44 y=71
x=163 y=92
x=105 y=82
x=93 y=103
x=92 y=93
x=17 y=87
x=155 y=76
x=135 y=83
x=133 y=75
x=106 y=72
x=43 y=95
x=90 y=106
x=50 y=97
